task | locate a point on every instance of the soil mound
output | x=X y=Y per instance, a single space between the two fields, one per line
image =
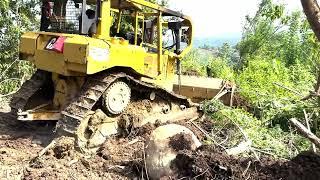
x=209 y=162
x=305 y=166
x=206 y=163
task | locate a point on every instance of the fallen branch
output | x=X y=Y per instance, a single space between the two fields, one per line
x=310 y=96
x=308 y=126
x=264 y=152
x=218 y=96
x=5 y=71
x=133 y=142
x=246 y=170
x=46 y=149
x=193 y=119
x=224 y=141
x=287 y=88
x=305 y=132
x=221 y=91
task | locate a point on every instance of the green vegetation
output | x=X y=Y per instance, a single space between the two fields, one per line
x=13 y=71
x=278 y=51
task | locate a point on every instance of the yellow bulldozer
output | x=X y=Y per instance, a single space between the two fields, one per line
x=107 y=55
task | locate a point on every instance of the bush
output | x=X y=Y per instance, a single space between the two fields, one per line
x=272 y=140
x=220 y=69
x=13 y=75
x=194 y=63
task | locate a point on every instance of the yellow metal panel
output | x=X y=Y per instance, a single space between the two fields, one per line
x=50 y=61
x=103 y=30
x=28 y=43
x=75 y=67
x=118 y=55
x=171 y=63
x=75 y=49
x=199 y=89
x=151 y=65
x=55 y=34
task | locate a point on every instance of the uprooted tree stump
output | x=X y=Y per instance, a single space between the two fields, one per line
x=163 y=146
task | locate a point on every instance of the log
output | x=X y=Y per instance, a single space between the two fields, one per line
x=305 y=132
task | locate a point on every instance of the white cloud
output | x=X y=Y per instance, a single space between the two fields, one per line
x=217 y=17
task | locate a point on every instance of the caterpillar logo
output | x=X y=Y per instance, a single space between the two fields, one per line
x=56 y=44
x=51 y=43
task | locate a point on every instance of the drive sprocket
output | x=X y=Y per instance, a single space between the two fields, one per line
x=116 y=98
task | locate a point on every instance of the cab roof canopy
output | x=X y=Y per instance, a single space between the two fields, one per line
x=123 y=4
x=138 y=4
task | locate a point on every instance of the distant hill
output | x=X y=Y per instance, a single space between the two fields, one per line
x=217 y=41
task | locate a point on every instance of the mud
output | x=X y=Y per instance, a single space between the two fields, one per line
x=181 y=142
x=122 y=157
x=143 y=131
x=304 y=166
x=210 y=163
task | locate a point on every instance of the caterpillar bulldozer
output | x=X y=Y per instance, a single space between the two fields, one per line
x=107 y=55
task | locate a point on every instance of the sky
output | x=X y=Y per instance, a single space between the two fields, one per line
x=213 y=18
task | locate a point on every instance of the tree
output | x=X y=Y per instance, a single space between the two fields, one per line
x=312 y=10
x=17 y=16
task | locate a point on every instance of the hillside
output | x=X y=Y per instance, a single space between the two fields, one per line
x=217 y=41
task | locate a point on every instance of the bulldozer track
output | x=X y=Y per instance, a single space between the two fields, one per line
x=28 y=89
x=92 y=91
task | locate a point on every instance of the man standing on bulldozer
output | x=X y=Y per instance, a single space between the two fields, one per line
x=46 y=11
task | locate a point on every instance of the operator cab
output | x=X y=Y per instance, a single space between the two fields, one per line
x=125 y=19
x=68 y=16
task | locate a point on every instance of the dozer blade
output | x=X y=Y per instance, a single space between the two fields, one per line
x=201 y=88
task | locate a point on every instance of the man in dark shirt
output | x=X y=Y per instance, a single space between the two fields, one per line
x=45 y=15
